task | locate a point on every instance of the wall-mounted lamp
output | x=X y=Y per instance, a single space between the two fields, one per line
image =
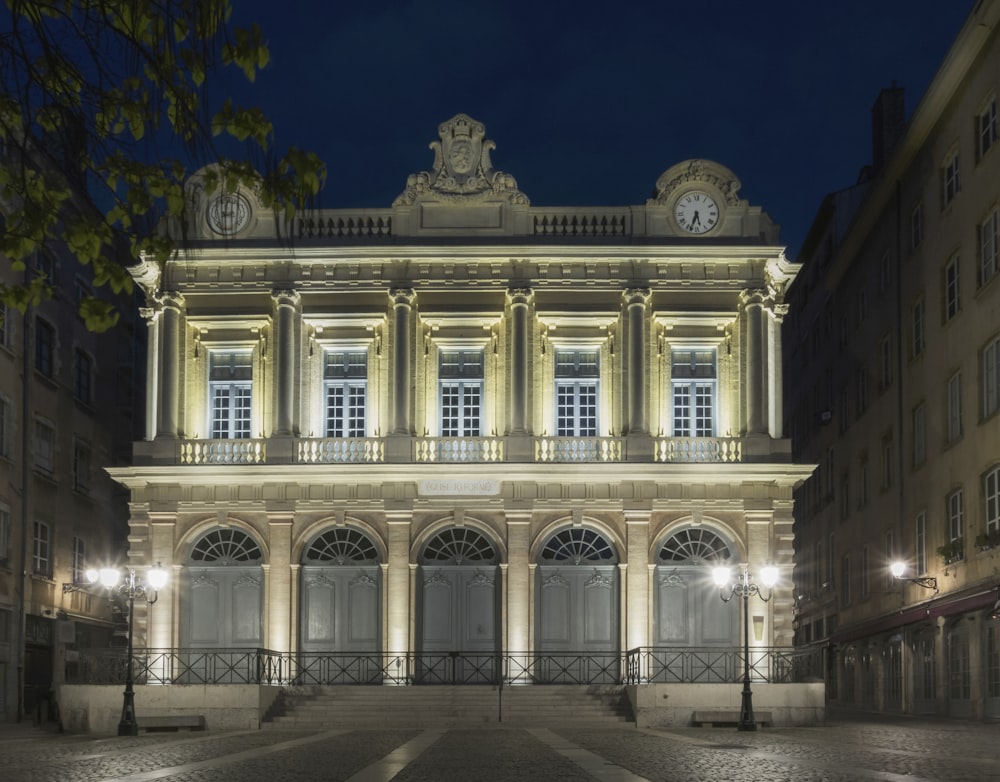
x=899 y=568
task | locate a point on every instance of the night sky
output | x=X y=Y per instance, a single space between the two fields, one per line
x=589 y=103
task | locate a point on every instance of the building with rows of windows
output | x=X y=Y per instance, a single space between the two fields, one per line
x=465 y=431
x=893 y=365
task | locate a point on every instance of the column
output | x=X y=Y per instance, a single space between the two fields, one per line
x=518 y=590
x=756 y=422
x=398 y=584
x=170 y=347
x=520 y=299
x=279 y=582
x=637 y=578
x=775 y=396
x=286 y=304
x=402 y=304
x=759 y=523
x=635 y=318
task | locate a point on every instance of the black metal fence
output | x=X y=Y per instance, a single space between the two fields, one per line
x=693 y=665
x=265 y=666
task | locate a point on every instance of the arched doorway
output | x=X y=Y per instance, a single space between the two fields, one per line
x=688 y=610
x=223 y=598
x=577 y=625
x=459 y=639
x=340 y=618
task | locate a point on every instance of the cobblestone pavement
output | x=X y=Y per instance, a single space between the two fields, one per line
x=847 y=749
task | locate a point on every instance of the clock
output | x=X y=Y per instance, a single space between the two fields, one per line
x=228 y=214
x=696 y=212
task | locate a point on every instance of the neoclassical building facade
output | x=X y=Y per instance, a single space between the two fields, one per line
x=465 y=427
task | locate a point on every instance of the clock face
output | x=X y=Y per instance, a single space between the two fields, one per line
x=228 y=214
x=696 y=212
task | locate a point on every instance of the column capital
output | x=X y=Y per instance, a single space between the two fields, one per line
x=286 y=297
x=173 y=300
x=402 y=297
x=634 y=296
x=752 y=297
x=520 y=296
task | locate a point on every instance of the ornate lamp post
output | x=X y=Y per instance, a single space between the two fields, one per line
x=744 y=588
x=129 y=589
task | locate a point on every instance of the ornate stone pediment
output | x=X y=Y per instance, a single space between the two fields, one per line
x=690 y=172
x=462 y=170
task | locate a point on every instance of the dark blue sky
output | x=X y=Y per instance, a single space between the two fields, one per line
x=589 y=103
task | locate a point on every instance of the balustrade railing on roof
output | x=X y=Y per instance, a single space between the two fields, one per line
x=223 y=452
x=458 y=449
x=345 y=226
x=578 y=449
x=698 y=449
x=340 y=450
x=576 y=222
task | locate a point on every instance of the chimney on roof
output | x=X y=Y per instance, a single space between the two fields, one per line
x=888 y=124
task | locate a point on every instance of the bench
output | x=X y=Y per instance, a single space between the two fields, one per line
x=151 y=722
x=716 y=718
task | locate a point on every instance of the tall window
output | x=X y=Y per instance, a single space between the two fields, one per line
x=885 y=349
x=920 y=542
x=919 y=435
x=888 y=556
x=41 y=562
x=230 y=391
x=577 y=388
x=866 y=579
x=845 y=409
x=887 y=461
x=845 y=580
x=460 y=374
x=845 y=496
x=862 y=381
x=954 y=409
x=991 y=378
x=4 y=533
x=45 y=341
x=45 y=446
x=955 y=510
x=693 y=377
x=986 y=128
x=863 y=476
x=6 y=425
x=81 y=467
x=949 y=177
x=917 y=329
x=79 y=566
x=952 y=293
x=917 y=226
x=4 y=327
x=345 y=389
x=989 y=246
x=83 y=373
x=991 y=492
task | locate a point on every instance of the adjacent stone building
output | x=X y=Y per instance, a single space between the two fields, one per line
x=461 y=432
x=894 y=391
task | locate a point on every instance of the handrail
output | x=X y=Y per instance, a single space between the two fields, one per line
x=265 y=666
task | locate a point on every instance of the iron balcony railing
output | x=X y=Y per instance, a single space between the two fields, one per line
x=265 y=666
x=704 y=665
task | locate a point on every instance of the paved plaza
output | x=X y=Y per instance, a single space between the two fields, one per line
x=848 y=749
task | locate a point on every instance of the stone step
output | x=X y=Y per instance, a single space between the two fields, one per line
x=442 y=706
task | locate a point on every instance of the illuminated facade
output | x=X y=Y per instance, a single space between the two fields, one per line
x=466 y=424
x=893 y=350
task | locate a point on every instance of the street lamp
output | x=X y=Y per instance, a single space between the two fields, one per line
x=743 y=587
x=130 y=588
x=898 y=568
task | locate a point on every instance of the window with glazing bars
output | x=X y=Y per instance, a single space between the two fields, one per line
x=693 y=378
x=577 y=387
x=345 y=391
x=79 y=565
x=460 y=375
x=230 y=394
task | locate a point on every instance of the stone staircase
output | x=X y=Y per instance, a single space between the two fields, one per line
x=427 y=706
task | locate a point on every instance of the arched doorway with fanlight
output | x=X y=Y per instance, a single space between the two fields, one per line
x=222 y=611
x=340 y=609
x=688 y=610
x=459 y=610
x=577 y=623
